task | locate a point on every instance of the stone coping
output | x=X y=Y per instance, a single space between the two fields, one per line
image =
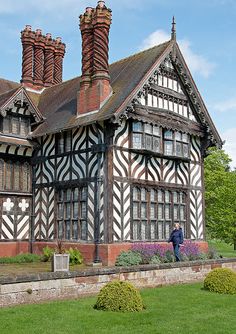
x=45 y=276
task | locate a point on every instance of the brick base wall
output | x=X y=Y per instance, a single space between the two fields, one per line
x=13 y=248
x=54 y=286
x=107 y=252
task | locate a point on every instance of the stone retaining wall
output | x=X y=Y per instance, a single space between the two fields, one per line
x=34 y=288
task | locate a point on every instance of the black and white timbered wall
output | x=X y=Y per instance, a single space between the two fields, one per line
x=15 y=169
x=107 y=182
x=68 y=173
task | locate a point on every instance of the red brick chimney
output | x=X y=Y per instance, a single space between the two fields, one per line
x=48 y=60
x=42 y=59
x=58 y=60
x=95 y=86
x=39 y=46
x=27 y=39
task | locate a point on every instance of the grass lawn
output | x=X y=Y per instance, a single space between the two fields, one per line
x=222 y=248
x=14 y=269
x=182 y=309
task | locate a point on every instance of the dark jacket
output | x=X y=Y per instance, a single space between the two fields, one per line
x=176 y=237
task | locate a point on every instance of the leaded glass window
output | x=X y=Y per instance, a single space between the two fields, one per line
x=176 y=143
x=16 y=125
x=146 y=136
x=63 y=142
x=72 y=213
x=154 y=212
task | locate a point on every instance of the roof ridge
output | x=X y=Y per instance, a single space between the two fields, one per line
x=140 y=52
x=10 y=81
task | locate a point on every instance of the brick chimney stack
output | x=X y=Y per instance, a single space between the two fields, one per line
x=39 y=45
x=95 y=86
x=48 y=60
x=41 y=60
x=27 y=39
x=58 y=60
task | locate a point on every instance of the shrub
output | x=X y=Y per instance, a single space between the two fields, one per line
x=155 y=260
x=21 y=258
x=169 y=257
x=221 y=280
x=119 y=296
x=212 y=253
x=47 y=254
x=75 y=256
x=129 y=258
x=203 y=256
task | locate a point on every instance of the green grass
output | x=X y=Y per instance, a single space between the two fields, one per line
x=182 y=309
x=14 y=269
x=222 y=248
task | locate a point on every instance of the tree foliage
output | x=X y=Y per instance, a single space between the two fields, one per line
x=220 y=196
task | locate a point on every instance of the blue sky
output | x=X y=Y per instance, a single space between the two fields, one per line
x=206 y=31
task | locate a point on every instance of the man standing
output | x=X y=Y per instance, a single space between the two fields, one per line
x=176 y=238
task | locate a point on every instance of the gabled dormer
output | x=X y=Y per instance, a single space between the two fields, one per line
x=18 y=117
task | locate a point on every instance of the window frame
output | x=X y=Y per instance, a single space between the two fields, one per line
x=157 y=228
x=176 y=141
x=63 y=142
x=144 y=135
x=65 y=198
x=12 y=121
x=9 y=170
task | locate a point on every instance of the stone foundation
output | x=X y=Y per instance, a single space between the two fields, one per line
x=53 y=286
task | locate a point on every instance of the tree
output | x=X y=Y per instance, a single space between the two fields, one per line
x=220 y=196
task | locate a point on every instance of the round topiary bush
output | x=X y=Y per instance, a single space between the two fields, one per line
x=119 y=296
x=221 y=280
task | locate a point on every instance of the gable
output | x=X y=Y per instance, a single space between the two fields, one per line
x=17 y=116
x=169 y=95
x=18 y=102
x=166 y=93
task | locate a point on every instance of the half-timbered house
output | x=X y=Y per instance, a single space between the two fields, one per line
x=106 y=159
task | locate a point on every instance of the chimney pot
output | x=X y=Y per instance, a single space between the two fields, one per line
x=38 y=32
x=28 y=27
x=58 y=40
x=89 y=10
x=101 y=4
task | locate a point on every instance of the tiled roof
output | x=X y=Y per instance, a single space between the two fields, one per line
x=58 y=104
x=4 y=97
x=6 y=85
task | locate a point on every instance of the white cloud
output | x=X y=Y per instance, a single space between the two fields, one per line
x=197 y=63
x=227 y=105
x=230 y=145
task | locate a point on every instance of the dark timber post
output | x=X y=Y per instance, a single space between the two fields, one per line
x=99 y=149
x=32 y=218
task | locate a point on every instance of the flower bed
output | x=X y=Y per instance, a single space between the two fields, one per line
x=151 y=253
